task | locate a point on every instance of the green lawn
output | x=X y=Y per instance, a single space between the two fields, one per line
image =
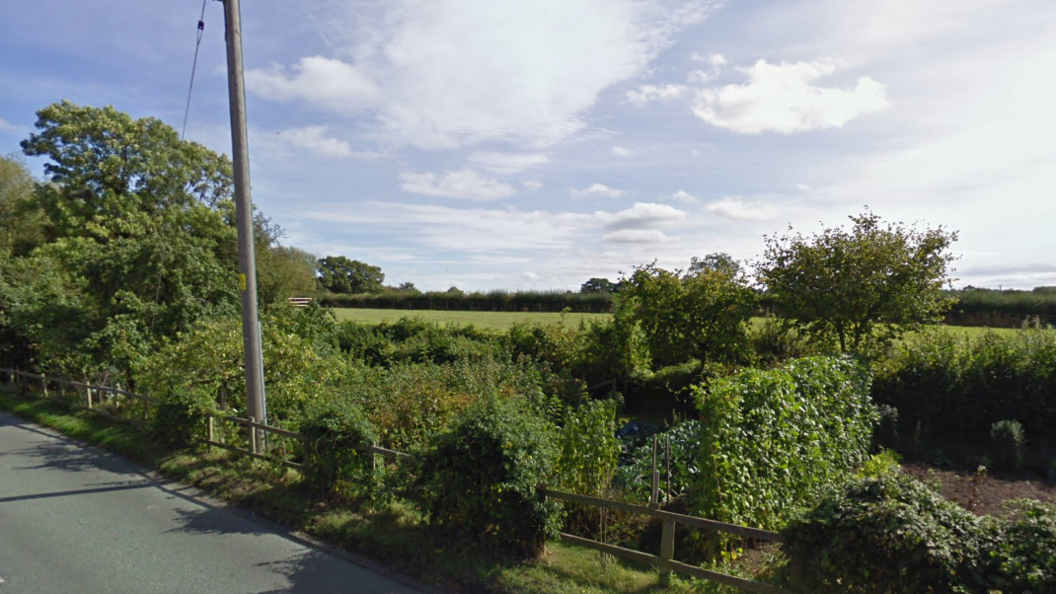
x=494 y=320
x=502 y=320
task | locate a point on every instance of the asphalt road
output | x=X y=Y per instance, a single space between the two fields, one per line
x=74 y=519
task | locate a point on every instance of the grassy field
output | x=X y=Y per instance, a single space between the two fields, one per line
x=502 y=320
x=494 y=320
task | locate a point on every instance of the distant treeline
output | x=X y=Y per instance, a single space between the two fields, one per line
x=1003 y=308
x=549 y=301
x=974 y=306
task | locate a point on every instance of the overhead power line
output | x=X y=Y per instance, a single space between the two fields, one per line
x=194 y=67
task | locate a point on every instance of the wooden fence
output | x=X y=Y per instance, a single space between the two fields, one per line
x=664 y=561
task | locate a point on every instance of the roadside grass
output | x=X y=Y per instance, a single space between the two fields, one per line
x=392 y=534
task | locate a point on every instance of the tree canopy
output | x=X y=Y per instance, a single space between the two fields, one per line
x=598 y=285
x=873 y=281
x=338 y=274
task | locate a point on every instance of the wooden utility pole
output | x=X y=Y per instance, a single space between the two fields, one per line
x=244 y=219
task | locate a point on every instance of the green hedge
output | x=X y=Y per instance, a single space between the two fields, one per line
x=770 y=439
x=332 y=432
x=956 y=388
x=491 y=301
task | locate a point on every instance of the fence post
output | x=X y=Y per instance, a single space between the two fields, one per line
x=44 y=383
x=88 y=391
x=209 y=433
x=667 y=550
x=654 y=496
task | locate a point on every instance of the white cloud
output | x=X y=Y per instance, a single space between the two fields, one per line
x=643 y=215
x=638 y=236
x=620 y=151
x=738 y=209
x=780 y=98
x=684 y=196
x=648 y=93
x=711 y=59
x=532 y=184
x=451 y=73
x=466 y=184
x=314 y=138
x=507 y=163
x=802 y=187
x=328 y=82
x=714 y=65
x=596 y=189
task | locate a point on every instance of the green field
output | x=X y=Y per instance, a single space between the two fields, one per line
x=494 y=320
x=502 y=320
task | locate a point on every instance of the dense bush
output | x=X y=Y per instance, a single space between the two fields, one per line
x=179 y=416
x=332 y=433
x=1003 y=308
x=479 y=481
x=478 y=301
x=636 y=475
x=589 y=448
x=1023 y=556
x=772 y=439
x=888 y=534
x=1007 y=439
x=956 y=388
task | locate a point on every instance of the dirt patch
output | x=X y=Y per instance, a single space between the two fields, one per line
x=984 y=494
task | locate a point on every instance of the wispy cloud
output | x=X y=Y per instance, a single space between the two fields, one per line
x=464 y=184
x=507 y=163
x=314 y=139
x=684 y=196
x=738 y=209
x=649 y=93
x=620 y=151
x=781 y=98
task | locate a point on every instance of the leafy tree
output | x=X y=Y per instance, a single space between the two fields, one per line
x=598 y=285
x=873 y=281
x=137 y=229
x=693 y=316
x=408 y=287
x=20 y=223
x=338 y=274
x=284 y=271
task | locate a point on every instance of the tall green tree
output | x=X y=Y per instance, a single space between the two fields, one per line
x=20 y=221
x=873 y=281
x=138 y=227
x=598 y=285
x=338 y=274
x=700 y=315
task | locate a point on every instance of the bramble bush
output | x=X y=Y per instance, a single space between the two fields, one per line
x=772 y=439
x=479 y=480
x=332 y=431
x=179 y=416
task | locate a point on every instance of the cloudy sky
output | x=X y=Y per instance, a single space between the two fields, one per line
x=495 y=144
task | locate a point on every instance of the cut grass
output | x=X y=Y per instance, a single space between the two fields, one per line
x=392 y=534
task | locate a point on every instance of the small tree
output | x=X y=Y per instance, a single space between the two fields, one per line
x=338 y=274
x=873 y=281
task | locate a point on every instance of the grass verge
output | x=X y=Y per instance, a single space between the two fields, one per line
x=392 y=534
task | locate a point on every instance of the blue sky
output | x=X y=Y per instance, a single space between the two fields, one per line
x=533 y=145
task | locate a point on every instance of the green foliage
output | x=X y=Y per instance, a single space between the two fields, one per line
x=1023 y=555
x=20 y=223
x=589 y=448
x=955 y=388
x=873 y=282
x=1007 y=438
x=886 y=463
x=479 y=480
x=179 y=419
x=636 y=475
x=888 y=534
x=284 y=272
x=598 y=285
x=1002 y=308
x=524 y=301
x=333 y=430
x=338 y=274
x=772 y=439
x=610 y=350
x=703 y=315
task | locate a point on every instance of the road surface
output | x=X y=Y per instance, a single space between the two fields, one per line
x=74 y=519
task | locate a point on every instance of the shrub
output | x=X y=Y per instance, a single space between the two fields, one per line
x=771 y=439
x=1007 y=438
x=589 y=448
x=332 y=433
x=886 y=434
x=179 y=418
x=479 y=480
x=888 y=534
x=1023 y=556
x=636 y=475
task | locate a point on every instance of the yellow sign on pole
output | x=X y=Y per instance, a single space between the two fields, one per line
x=241 y=282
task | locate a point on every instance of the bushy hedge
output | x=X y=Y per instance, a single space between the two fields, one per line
x=179 y=418
x=332 y=432
x=477 y=301
x=773 y=438
x=890 y=534
x=886 y=535
x=955 y=388
x=1003 y=308
x=479 y=480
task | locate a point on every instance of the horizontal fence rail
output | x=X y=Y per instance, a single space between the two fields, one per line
x=665 y=561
